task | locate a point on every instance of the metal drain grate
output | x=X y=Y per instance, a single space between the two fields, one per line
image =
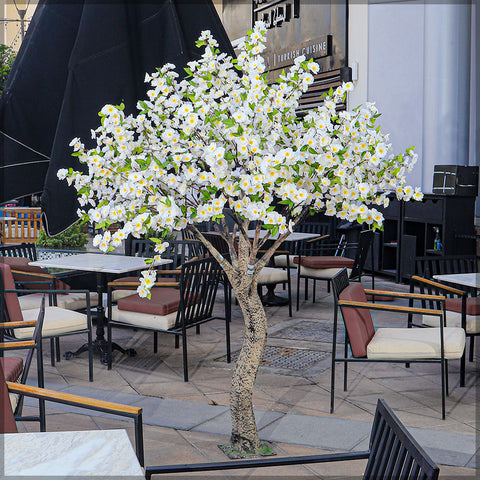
x=312 y=331
x=287 y=357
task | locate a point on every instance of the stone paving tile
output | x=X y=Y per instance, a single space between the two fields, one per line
x=156 y=382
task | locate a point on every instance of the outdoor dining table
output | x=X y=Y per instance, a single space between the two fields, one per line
x=471 y=280
x=79 y=454
x=103 y=265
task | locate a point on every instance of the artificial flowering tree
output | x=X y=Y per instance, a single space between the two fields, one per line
x=223 y=137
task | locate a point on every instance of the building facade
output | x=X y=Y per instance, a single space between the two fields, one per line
x=415 y=60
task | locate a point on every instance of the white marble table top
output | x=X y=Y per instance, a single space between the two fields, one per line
x=98 y=262
x=293 y=237
x=56 y=455
x=465 y=279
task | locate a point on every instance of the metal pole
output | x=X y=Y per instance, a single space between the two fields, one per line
x=22 y=13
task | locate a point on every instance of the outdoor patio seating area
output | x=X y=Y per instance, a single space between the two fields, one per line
x=186 y=421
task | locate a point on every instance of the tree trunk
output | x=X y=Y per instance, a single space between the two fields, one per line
x=244 y=437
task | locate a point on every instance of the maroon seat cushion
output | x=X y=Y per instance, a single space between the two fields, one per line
x=358 y=321
x=163 y=301
x=455 y=305
x=7 y=420
x=326 y=261
x=12 y=368
x=11 y=299
x=22 y=264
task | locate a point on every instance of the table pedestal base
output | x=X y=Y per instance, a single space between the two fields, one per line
x=100 y=346
x=272 y=300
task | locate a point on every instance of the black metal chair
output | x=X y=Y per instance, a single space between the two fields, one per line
x=16 y=369
x=395 y=345
x=310 y=265
x=174 y=307
x=393 y=454
x=461 y=311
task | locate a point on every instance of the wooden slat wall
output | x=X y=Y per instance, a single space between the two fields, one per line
x=19 y=225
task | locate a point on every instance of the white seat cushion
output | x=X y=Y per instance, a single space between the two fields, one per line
x=281 y=261
x=144 y=320
x=415 y=343
x=272 y=275
x=57 y=322
x=70 y=301
x=118 y=294
x=454 y=319
x=321 y=273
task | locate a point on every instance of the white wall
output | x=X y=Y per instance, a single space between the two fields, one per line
x=395 y=73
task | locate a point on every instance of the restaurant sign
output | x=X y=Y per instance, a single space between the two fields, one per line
x=317 y=48
x=275 y=12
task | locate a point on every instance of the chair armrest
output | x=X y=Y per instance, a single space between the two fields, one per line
x=391 y=308
x=440 y=286
x=419 y=296
x=74 y=400
x=318 y=239
x=34 y=274
x=17 y=345
x=18 y=324
x=136 y=284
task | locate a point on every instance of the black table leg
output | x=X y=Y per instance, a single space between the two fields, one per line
x=100 y=344
x=272 y=300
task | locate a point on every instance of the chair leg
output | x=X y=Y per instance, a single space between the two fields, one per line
x=472 y=345
x=446 y=379
x=90 y=355
x=298 y=291
x=52 y=351
x=177 y=341
x=345 y=366
x=197 y=329
x=306 y=288
x=185 y=360
x=443 y=388
x=139 y=440
x=462 y=368
x=155 y=342
x=57 y=347
x=314 y=291
x=109 y=345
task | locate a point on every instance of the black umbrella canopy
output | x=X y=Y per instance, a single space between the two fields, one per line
x=101 y=51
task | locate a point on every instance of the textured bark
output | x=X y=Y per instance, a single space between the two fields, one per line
x=244 y=437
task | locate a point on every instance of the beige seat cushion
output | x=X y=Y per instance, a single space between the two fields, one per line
x=57 y=322
x=70 y=301
x=415 y=343
x=281 y=261
x=454 y=319
x=144 y=320
x=272 y=275
x=321 y=273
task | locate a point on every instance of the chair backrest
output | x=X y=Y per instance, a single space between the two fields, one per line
x=199 y=281
x=177 y=251
x=394 y=453
x=10 y=306
x=217 y=241
x=27 y=250
x=194 y=246
x=441 y=265
x=364 y=243
x=358 y=321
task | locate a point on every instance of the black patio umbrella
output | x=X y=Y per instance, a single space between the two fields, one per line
x=76 y=57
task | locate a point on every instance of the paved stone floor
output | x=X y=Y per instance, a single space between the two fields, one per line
x=185 y=422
